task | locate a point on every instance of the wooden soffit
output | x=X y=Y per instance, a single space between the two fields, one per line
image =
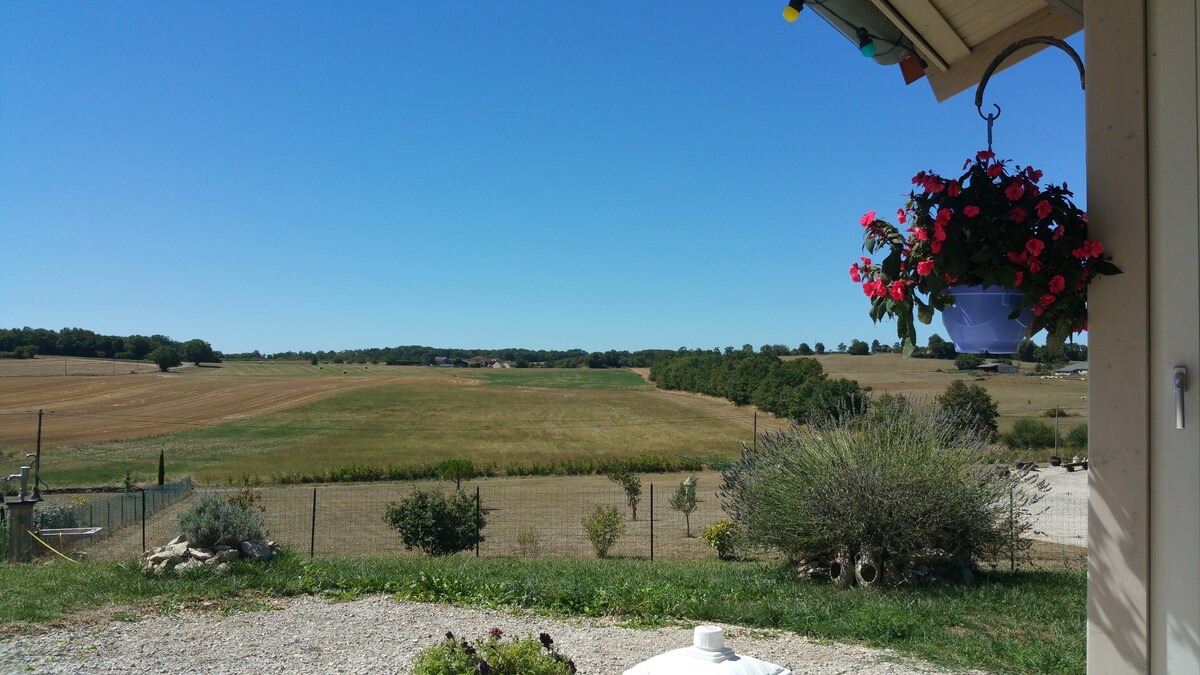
x=959 y=38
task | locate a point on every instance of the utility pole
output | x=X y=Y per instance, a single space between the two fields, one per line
x=37 y=462
x=1056 y=429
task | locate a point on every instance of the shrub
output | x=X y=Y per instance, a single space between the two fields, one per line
x=529 y=542
x=632 y=485
x=1077 y=437
x=246 y=499
x=968 y=361
x=972 y=405
x=722 y=535
x=436 y=524
x=903 y=478
x=526 y=656
x=603 y=528
x=212 y=521
x=1027 y=434
x=51 y=516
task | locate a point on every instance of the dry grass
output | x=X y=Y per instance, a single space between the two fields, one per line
x=50 y=366
x=1016 y=396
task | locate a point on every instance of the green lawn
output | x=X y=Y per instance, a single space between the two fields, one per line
x=1030 y=622
x=558 y=378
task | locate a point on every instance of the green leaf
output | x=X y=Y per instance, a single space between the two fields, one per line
x=924 y=313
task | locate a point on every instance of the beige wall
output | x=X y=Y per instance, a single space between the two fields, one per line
x=1118 y=341
x=1143 y=186
x=1174 y=182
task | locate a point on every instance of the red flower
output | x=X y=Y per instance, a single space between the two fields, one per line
x=897 y=290
x=934 y=185
x=1033 y=174
x=1047 y=300
x=995 y=170
x=1043 y=208
x=1034 y=246
x=1018 y=258
x=971 y=211
x=919 y=179
x=936 y=246
x=901 y=216
x=865 y=261
x=875 y=289
x=984 y=154
x=943 y=217
x=1090 y=249
x=953 y=189
x=1019 y=278
x=924 y=267
x=855 y=276
x=1057 y=284
x=920 y=233
x=867 y=219
x=1035 y=265
x=1017 y=214
x=939 y=233
x=1014 y=191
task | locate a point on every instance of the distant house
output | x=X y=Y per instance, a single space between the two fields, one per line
x=1073 y=370
x=499 y=363
x=477 y=361
x=999 y=368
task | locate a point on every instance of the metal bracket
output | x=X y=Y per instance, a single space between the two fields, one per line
x=1180 y=386
x=1004 y=54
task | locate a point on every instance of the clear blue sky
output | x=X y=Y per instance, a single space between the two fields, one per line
x=627 y=175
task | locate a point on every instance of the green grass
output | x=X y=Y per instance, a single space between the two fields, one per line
x=573 y=378
x=1027 y=622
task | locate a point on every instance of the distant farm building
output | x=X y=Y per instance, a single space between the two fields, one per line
x=999 y=368
x=1073 y=370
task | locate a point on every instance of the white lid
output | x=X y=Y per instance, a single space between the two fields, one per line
x=707 y=655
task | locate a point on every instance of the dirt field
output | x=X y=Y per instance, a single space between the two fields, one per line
x=112 y=407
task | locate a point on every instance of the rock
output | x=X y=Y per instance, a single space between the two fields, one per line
x=841 y=570
x=179 y=549
x=212 y=561
x=200 y=554
x=227 y=556
x=177 y=540
x=186 y=565
x=159 y=556
x=221 y=547
x=257 y=550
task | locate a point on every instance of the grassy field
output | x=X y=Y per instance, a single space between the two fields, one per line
x=1016 y=396
x=423 y=415
x=46 y=366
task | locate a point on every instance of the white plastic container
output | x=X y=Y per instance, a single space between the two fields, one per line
x=708 y=655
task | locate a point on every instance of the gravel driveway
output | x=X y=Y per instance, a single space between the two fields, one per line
x=381 y=635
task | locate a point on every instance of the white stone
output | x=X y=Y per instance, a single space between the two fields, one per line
x=257 y=550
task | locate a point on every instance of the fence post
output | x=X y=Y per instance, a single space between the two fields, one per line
x=652 y=522
x=143 y=520
x=1012 y=533
x=312 y=542
x=478 y=526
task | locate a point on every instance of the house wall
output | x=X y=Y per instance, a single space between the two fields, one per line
x=1118 y=340
x=1174 y=185
x=1143 y=180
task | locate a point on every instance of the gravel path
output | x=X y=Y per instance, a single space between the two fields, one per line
x=381 y=635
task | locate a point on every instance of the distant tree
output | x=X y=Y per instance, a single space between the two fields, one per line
x=938 y=348
x=804 y=349
x=820 y=347
x=968 y=361
x=198 y=351
x=859 y=348
x=165 y=358
x=457 y=470
x=876 y=347
x=313 y=361
x=972 y=402
x=162 y=468
x=684 y=501
x=1027 y=351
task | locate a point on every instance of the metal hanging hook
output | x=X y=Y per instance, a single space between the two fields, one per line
x=1004 y=54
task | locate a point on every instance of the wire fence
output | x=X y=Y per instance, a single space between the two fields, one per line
x=542 y=517
x=111 y=513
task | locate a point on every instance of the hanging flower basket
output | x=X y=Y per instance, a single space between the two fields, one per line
x=988 y=228
x=979 y=320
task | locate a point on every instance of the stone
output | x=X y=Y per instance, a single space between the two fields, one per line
x=200 y=554
x=159 y=556
x=257 y=550
x=221 y=547
x=177 y=540
x=212 y=561
x=186 y=565
x=227 y=556
x=179 y=549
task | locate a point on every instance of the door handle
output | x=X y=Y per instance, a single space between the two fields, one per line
x=1180 y=387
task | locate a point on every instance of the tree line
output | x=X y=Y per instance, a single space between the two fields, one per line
x=25 y=343
x=797 y=389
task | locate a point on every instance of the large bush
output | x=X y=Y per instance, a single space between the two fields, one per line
x=972 y=405
x=1027 y=434
x=212 y=521
x=897 y=481
x=1077 y=437
x=437 y=524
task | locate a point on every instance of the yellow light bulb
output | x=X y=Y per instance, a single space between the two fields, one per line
x=790 y=14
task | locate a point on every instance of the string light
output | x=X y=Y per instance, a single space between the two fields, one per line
x=866 y=46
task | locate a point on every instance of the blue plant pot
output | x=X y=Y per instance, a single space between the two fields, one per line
x=978 y=321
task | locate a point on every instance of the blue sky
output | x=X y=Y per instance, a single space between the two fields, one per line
x=629 y=175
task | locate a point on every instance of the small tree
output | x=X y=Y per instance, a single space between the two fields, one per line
x=820 y=348
x=162 y=468
x=684 y=501
x=632 y=486
x=165 y=358
x=198 y=351
x=437 y=525
x=457 y=470
x=603 y=528
x=859 y=348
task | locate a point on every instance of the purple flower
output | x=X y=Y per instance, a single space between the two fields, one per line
x=496 y=633
x=546 y=640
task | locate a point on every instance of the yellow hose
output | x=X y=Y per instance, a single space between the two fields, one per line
x=52 y=549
